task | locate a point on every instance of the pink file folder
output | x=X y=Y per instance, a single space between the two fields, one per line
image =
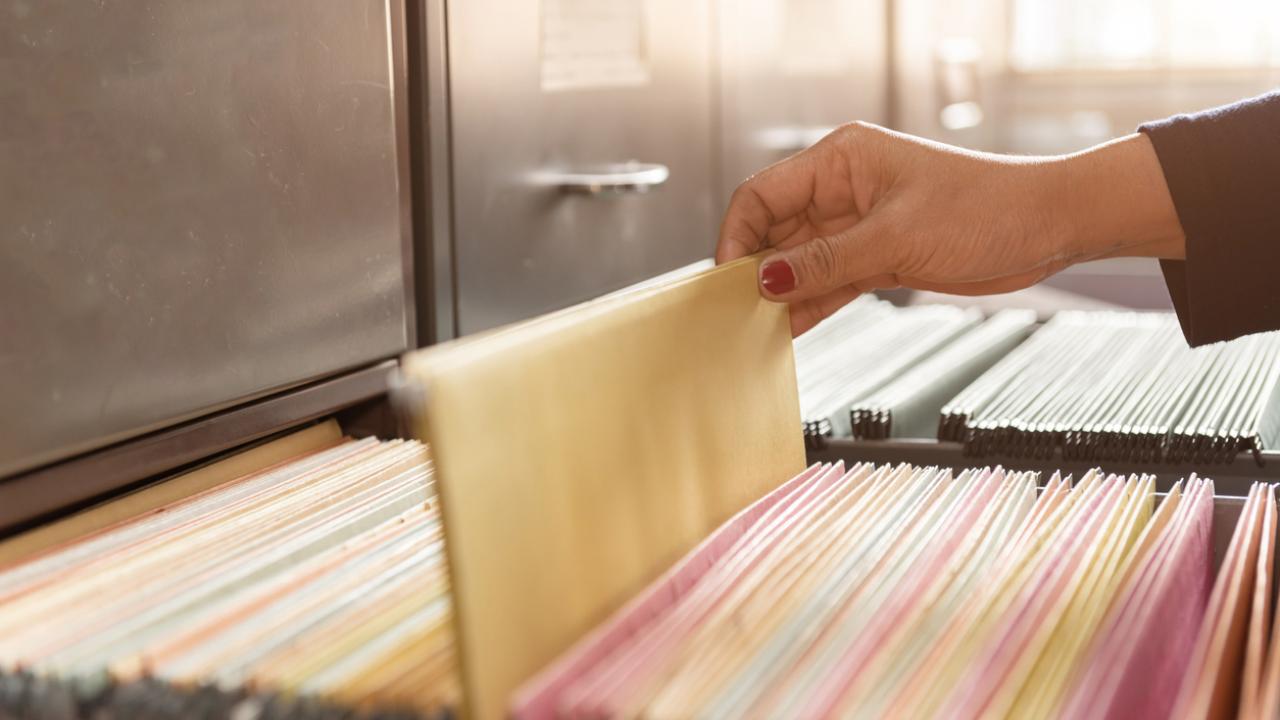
x=1137 y=667
x=539 y=697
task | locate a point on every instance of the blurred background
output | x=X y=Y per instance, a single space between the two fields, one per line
x=713 y=91
x=207 y=203
x=224 y=221
x=1017 y=76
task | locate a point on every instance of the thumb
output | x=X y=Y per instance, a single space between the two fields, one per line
x=817 y=267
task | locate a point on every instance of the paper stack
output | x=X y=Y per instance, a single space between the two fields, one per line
x=862 y=347
x=908 y=405
x=1225 y=676
x=1100 y=386
x=908 y=592
x=322 y=576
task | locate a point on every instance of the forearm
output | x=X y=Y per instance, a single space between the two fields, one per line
x=1112 y=201
x=868 y=208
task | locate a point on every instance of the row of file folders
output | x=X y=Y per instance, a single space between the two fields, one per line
x=320 y=576
x=1085 y=386
x=304 y=579
x=312 y=583
x=909 y=592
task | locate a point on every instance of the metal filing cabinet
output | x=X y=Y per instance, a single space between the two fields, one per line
x=581 y=149
x=791 y=71
x=201 y=203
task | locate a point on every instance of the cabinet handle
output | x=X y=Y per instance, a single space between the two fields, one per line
x=631 y=177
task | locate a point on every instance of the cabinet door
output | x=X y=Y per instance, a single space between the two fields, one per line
x=200 y=203
x=792 y=71
x=543 y=93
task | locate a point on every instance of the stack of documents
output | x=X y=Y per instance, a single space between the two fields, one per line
x=1097 y=386
x=862 y=347
x=321 y=577
x=914 y=592
x=908 y=405
x=1234 y=670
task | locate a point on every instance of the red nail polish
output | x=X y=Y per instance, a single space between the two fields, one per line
x=777 y=277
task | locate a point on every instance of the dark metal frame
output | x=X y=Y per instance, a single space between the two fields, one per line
x=32 y=497
x=401 y=39
x=432 y=169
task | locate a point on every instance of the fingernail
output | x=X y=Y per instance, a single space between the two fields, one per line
x=777 y=277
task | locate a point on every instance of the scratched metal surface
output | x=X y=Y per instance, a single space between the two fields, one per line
x=522 y=248
x=200 y=203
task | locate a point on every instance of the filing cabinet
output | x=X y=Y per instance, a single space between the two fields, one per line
x=581 y=153
x=793 y=70
x=203 y=203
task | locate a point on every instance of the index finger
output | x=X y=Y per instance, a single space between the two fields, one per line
x=763 y=200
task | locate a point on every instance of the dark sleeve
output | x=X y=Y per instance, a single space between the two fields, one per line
x=1223 y=171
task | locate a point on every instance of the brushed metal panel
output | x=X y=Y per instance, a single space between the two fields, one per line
x=791 y=71
x=32 y=497
x=200 y=202
x=521 y=107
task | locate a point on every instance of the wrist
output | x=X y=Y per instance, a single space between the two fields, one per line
x=1113 y=202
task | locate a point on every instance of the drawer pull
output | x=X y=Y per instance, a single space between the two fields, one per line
x=630 y=177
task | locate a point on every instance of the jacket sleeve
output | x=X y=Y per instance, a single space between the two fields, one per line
x=1223 y=171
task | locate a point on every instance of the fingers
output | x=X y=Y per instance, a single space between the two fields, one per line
x=855 y=257
x=807 y=313
x=766 y=199
x=993 y=286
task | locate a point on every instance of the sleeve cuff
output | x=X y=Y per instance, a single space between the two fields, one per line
x=1220 y=167
x=1175 y=278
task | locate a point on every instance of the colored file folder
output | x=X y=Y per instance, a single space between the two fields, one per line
x=918 y=592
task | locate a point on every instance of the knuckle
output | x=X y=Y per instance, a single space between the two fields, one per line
x=741 y=193
x=822 y=259
x=743 y=197
x=853 y=128
x=857 y=131
x=748 y=200
x=865 y=140
x=840 y=139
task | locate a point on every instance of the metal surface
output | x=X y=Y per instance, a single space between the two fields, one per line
x=1232 y=479
x=430 y=130
x=606 y=179
x=38 y=493
x=202 y=202
x=793 y=70
x=525 y=101
x=398 y=68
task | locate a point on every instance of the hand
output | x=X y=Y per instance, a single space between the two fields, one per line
x=868 y=208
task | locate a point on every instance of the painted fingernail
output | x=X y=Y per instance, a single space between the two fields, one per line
x=777 y=277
